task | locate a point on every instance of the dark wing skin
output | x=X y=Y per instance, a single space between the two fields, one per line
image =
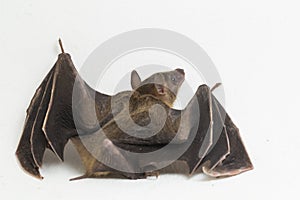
x=203 y=131
x=203 y=136
x=235 y=159
x=24 y=151
x=49 y=122
x=223 y=153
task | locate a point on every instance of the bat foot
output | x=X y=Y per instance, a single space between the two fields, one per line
x=152 y=174
x=101 y=174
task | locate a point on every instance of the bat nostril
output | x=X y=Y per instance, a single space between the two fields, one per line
x=181 y=71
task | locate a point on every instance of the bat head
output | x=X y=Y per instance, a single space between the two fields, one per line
x=162 y=85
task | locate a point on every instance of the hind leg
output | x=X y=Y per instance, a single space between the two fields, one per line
x=108 y=153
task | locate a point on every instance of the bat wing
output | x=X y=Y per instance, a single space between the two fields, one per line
x=217 y=146
x=50 y=120
x=235 y=158
x=201 y=132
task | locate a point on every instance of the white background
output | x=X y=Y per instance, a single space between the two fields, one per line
x=254 y=44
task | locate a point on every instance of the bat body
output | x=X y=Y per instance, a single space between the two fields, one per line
x=107 y=130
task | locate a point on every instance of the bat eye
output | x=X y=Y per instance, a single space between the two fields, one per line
x=173 y=79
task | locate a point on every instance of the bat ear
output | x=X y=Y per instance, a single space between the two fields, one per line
x=135 y=80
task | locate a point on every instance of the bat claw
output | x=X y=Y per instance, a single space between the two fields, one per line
x=94 y=175
x=215 y=86
x=61 y=46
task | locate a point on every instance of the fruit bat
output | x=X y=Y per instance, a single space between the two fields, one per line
x=107 y=130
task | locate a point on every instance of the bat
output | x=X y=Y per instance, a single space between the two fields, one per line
x=108 y=130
